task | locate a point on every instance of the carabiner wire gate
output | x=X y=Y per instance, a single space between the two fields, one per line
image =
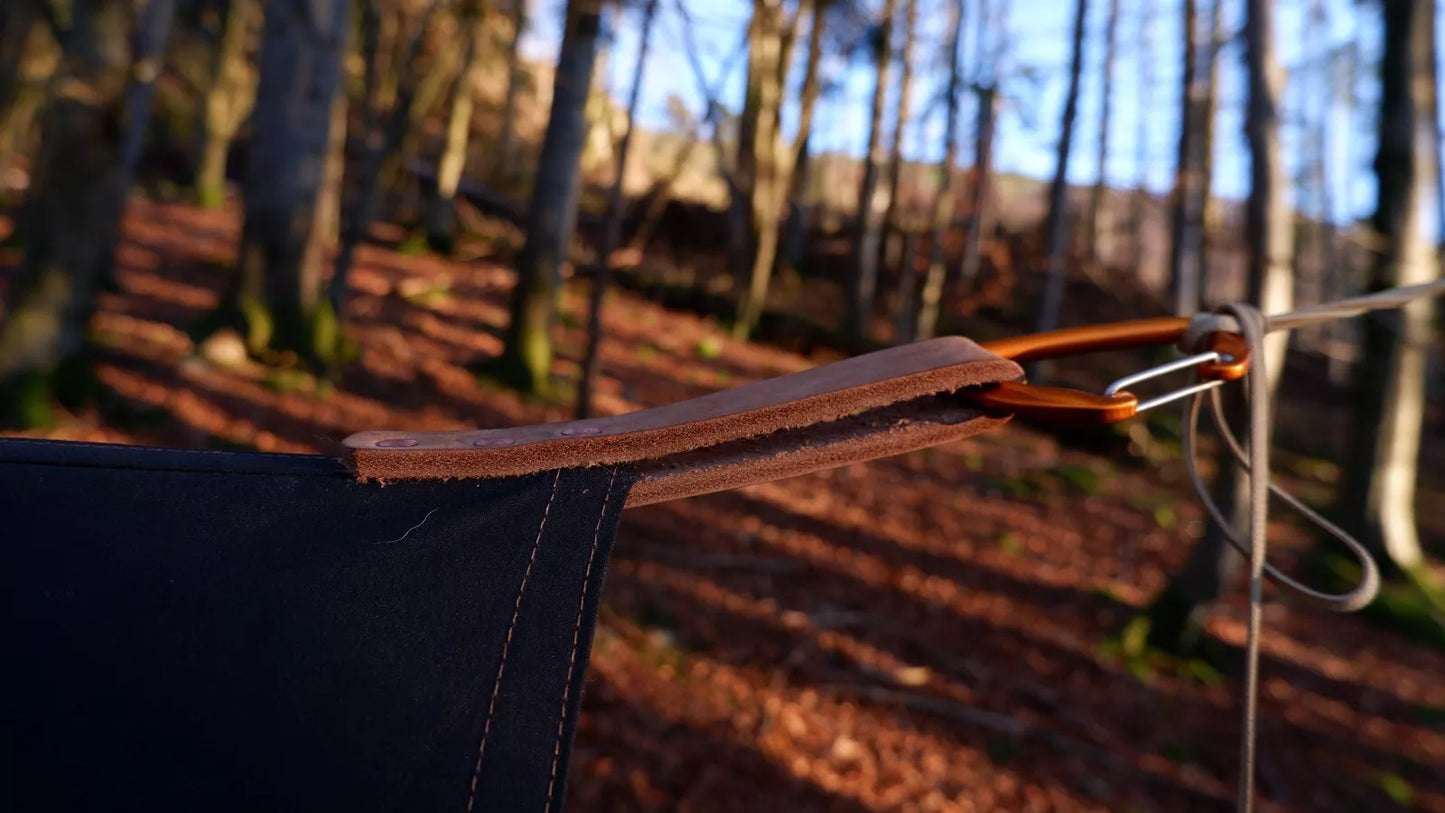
x=1166 y=368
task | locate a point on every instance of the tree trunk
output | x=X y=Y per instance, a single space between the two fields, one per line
x=1186 y=250
x=412 y=94
x=148 y=52
x=1437 y=130
x=907 y=324
x=1101 y=226
x=1269 y=219
x=17 y=19
x=1056 y=226
x=1142 y=195
x=612 y=237
x=872 y=199
x=379 y=31
x=744 y=157
x=1205 y=210
x=1176 y=615
x=792 y=246
x=1313 y=158
x=228 y=100
x=424 y=94
x=1378 y=498
x=1314 y=236
x=390 y=60
x=506 y=144
x=1344 y=273
x=760 y=177
x=277 y=298
x=441 y=206
x=796 y=226
x=527 y=357
x=72 y=208
x=892 y=217
x=333 y=176
x=979 y=210
x=942 y=216
x=27 y=62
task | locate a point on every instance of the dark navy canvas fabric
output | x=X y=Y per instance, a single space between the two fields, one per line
x=195 y=630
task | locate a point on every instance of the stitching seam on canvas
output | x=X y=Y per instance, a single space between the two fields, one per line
x=506 y=644
x=576 y=637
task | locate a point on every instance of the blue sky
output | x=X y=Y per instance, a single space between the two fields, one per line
x=1145 y=87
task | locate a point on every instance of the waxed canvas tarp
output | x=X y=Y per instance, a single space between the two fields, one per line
x=197 y=630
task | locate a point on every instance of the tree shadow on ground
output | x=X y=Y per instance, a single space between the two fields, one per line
x=627 y=759
x=847 y=630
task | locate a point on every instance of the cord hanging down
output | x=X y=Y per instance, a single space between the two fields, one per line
x=1253 y=455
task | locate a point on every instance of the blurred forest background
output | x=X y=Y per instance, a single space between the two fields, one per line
x=237 y=224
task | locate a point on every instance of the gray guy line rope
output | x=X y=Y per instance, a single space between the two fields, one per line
x=1253 y=456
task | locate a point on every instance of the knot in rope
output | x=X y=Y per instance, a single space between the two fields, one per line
x=1201 y=325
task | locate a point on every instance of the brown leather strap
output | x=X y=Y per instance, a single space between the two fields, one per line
x=870 y=406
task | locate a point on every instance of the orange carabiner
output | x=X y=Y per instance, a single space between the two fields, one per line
x=1226 y=360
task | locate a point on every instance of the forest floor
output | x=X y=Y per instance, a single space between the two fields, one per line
x=937 y=631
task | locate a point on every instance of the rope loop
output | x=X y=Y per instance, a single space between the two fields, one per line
x=1253 y=456
x=1355 y=598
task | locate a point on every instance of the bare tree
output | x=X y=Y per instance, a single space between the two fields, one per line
x=506 y=147
x=709 y=90
x=333 y=174
x=731 y=166
x=1142 y=195
x=72 y=212
x=277 y=297
x=1378 y=497
x=527 y=357
x=612 y=236
x=152 y=32
x=761 y=177
x=1205 y=208
x=1439 y=142
x=987 y=70
x=872 y=198
x=1101 y=229
x=1269 y=220
x=906 y=328
x=794 y=229
x=1175 y=615
x=18 y=18
x=1186 y=248
x=382 y=22
x=441 y=211
x=228 y=99
x=148 y=51
x=414 y=95
x=979 y=212
x=29 y=54
x=1056 y=226
x=890 y=245
x=1345 y=271
x=942 y=215
x=1315 y=234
